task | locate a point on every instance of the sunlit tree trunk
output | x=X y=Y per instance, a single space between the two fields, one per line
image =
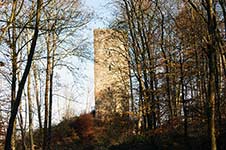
x=36 y=89
x=212 y=69
x=30 y=113
x=212 y=46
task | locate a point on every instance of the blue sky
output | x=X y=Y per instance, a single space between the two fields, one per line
x=102 y=16
x=102 y=11
x=81 y=94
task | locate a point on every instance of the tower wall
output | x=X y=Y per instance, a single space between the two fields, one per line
x=110 y=73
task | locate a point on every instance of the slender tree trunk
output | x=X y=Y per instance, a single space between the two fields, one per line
x=212 y=70
x=212 y=46
x=37 y=95
x=212 y=100
x=47 y=84
x=30 y=113
x=14 y=72
x=218 y=88
x=21 y=124
x=166 y=66
x=137 y=67
x=20 y=116
x=30 y=109
x=51 y=88
x=50 y=108
x=13 y=92
x=131 y=84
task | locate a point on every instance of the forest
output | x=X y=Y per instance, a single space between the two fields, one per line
x=176 y=55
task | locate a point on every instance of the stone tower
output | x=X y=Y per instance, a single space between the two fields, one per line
x=110 y=73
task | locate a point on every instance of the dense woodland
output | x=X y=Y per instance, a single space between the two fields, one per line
x=177 y=72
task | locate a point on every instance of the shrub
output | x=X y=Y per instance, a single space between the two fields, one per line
x=83 y=126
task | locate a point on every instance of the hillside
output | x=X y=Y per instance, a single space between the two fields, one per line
x=88 y=133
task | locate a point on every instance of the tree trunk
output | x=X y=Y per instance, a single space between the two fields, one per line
x=51 y=88
x=30 y=113
x=37 y=95
x=14 y=72
x=212 y=45
x=166 y=67
x=212 y=65
x=212 y=99
x=47 y=84
x=20 y=116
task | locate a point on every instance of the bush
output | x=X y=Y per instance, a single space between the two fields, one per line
x=64 y=133
x=84 y=127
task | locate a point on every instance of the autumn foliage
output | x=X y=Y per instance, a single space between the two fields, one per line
x=83 y=126
x=72 y=133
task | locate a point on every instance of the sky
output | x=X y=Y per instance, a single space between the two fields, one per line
x=102 y=10
x=81 y=98
x=102 y=17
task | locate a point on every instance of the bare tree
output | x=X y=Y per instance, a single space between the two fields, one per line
x=23 y=80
